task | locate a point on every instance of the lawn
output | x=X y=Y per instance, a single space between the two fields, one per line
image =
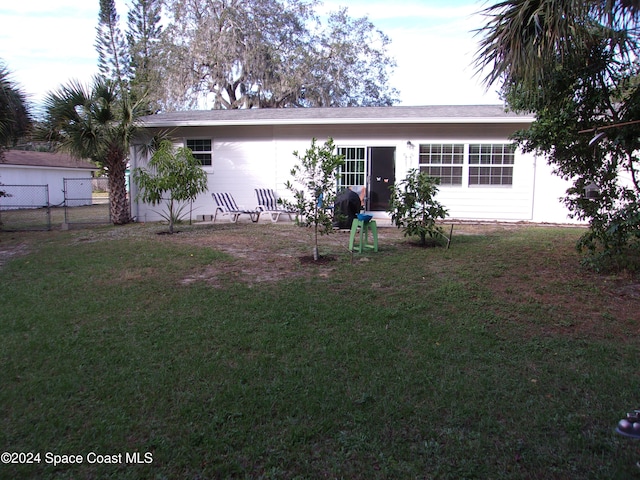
x=53 y=217
x=217 y=353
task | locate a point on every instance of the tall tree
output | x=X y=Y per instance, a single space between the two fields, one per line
x=113 y=55
x=267 y=53
x=573 y=64
x=15 y=118
x=143 y=36
x=228 y=50
x=347 y=65
x=96 y=123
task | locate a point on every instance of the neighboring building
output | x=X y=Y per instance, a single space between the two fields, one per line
x=467 y=147
x=24 y=167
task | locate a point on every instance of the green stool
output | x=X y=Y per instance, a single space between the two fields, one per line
x=364 y=227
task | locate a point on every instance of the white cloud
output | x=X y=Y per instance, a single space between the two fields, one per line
x=46 y=44
x=434 y=45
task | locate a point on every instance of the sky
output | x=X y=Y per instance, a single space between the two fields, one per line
x=47 y=43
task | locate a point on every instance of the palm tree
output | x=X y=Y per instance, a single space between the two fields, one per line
x=95 y=123
x=523 y=39
x=15 y=120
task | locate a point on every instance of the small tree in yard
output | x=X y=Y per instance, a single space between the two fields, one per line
x=413 y=208
x=175 y=172
x=317 y=175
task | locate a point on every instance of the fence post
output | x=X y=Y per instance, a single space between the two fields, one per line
x=78 y=195
x=65 y=224
x=48 y=207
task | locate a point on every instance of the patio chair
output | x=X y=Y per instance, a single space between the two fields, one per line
x=226 y=206
x=268 y=203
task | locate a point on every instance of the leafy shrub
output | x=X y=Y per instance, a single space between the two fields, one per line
x=413 y=207
x=173 y=173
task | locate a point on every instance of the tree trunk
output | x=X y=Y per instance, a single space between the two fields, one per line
x=171 y=216
x=315 y=244
x=118 y=200
x=315 y=235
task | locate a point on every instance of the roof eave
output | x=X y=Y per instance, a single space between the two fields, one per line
x=340 y=121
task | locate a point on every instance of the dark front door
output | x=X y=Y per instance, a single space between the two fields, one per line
x=382 y=161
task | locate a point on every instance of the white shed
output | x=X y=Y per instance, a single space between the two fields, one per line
x=24 y=167
x=482 y=177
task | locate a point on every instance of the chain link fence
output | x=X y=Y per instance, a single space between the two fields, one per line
x=24 y=207
x=27 y=207
x=86 y=201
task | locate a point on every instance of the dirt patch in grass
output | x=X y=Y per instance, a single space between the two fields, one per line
x=533 y=276
x=576 y=301
x=265 y=253
x=8 y=252
x=322 y=259
x=631 y=291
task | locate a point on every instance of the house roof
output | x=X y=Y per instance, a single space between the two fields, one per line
x=44 y=159
x=348 y=115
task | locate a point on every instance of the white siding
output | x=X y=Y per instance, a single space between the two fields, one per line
x=32 y=175
x=249 y=157
x=548 y=206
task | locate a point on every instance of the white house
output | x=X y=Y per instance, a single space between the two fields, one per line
x=21 y=168
x=482 y=177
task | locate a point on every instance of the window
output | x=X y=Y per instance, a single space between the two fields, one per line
x=201 y=149
x=443 y=161
x=491 y=164
x=352 y=173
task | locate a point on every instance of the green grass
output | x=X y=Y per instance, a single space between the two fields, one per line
x=498 y=358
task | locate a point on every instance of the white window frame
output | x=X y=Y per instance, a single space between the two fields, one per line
x=344 y=175
x=447 y=160
x=493 y=165
x=197 y=153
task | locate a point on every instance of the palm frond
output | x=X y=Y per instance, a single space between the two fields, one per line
x=522 y=39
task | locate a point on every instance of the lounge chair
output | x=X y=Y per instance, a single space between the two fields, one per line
x=268 y=203
x=226 y=206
